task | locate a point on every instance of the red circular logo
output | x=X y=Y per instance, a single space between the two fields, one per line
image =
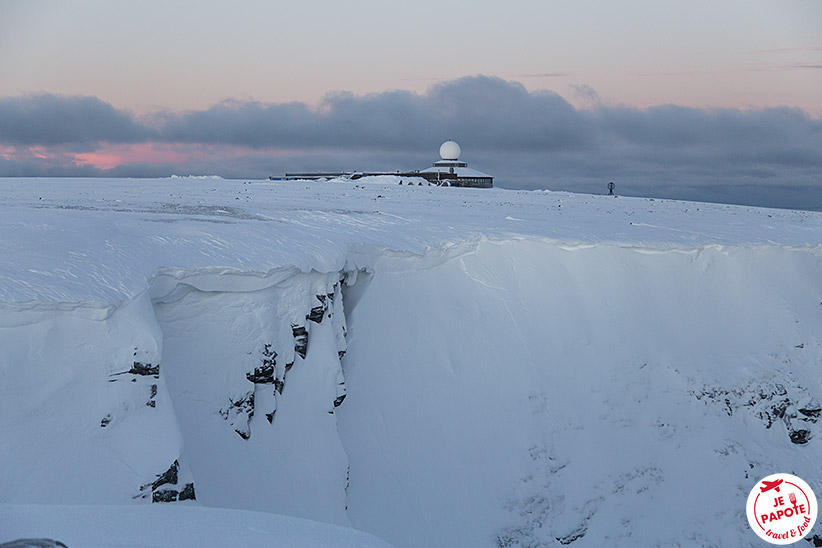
x=781 y=509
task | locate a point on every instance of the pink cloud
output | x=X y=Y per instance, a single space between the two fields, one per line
x=9 y=153
x=18 y=153
x=112 y=155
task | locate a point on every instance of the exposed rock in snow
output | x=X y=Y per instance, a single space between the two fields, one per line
x=187 y=493
x=167 y=477
x=317 y=314
x=239 y=414
x=231 y=353
x=300 y=342
x=163 y=489
x=772 y=403
x=144 y=369
x=164 y=495
x=264 y=373
x=33 y=543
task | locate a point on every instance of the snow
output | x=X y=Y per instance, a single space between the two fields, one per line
x=71 y=240
x=484 y=367
x=172 y=527
x=295 y=464
x=63 y=373
x=547 y=392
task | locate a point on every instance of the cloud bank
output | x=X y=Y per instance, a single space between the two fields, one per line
x=526 y=139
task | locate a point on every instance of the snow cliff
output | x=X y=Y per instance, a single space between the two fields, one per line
x=438 y=367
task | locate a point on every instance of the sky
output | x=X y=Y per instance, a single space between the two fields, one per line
x=697 y=99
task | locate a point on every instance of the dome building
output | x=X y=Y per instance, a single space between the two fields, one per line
x=447 y=171
x=451 y=171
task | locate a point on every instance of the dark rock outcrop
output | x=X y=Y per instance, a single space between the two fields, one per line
x=239 y=413
x=33 y=543
x=187 y=493
x=811 y=414
x=162 y=489
x=800 y=437
x=152 y=394
x=772 y=403
x=145 y=369
x=166 y=495
x=263 y=374
x=316 y=315
x=300 y=340
x=167 y=477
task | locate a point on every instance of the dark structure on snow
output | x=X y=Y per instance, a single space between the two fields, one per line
x=448 y=171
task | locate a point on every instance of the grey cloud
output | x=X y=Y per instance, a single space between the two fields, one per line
x=526 y=139
x=776 y=142
x=682 y=126
x=44 y=167
x=585 y=92
x=494 y=114
x=250 y=124
x=488 y=111
x=58 y=120
x=342 y=121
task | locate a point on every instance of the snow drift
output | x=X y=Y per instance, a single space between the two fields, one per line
x=117 y=526
x=492 y=387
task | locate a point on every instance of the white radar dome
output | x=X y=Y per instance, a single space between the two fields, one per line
x=450 y=150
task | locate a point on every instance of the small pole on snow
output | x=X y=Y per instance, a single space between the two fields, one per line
x=611 y=188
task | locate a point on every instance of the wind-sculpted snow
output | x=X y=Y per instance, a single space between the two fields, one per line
x=71 y=240
x=174 y=527
x=438 y=367
x=212 y=386
x=86 y=415
x=525 y=395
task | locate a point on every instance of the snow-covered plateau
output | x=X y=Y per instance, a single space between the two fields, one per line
x=181 y=359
